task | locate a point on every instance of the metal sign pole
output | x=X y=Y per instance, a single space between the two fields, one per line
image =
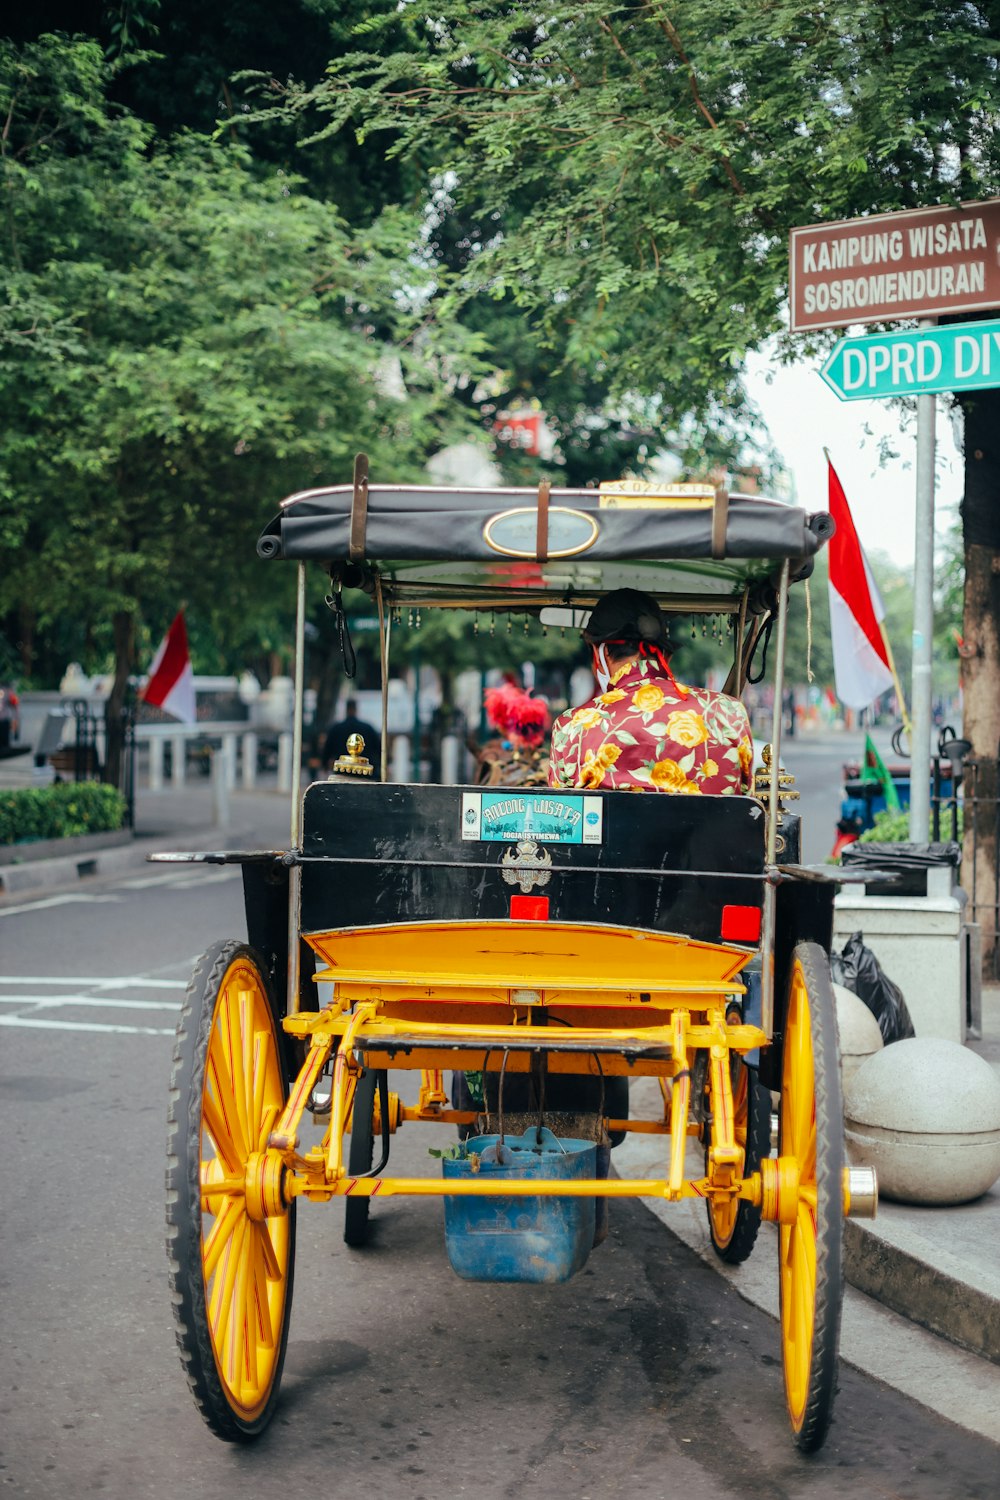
x=923 y=622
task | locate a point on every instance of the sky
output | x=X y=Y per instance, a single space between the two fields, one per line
x=803 y=416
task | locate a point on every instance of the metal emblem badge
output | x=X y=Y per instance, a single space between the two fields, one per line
x=526 y=865
x=513 y=533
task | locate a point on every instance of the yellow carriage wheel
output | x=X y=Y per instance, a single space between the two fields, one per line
x=733 y=1223
x=810 y=1245
x=230 y=1235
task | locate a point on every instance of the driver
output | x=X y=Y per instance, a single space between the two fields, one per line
x=644 y=731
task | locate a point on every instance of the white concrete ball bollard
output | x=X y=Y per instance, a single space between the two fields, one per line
x=925 y=1113
x=857 y=1030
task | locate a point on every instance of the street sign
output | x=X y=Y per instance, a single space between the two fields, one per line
x=918 y=264
x=958 y=357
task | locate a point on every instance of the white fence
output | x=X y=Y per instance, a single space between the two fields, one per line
x=234 y=747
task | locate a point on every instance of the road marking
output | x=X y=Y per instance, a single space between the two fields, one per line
x=49 y=901
x=131 y=981
x=39 y=1024
x=54 y=1002
x=16 y=990
x=184 y=877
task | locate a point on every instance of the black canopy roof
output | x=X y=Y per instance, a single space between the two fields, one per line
x=455 y=544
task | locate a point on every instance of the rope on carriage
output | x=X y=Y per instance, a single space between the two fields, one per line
x=810 y=677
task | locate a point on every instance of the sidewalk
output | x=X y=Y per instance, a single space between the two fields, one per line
x=936 y=1268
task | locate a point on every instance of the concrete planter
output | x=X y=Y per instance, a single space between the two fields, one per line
x=857 y=1030
x=925 y=1113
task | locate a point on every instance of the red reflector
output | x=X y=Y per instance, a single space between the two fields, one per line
x=529 y=908
x=740 y=924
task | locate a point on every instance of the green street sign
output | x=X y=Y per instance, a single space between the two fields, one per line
x=959 y=357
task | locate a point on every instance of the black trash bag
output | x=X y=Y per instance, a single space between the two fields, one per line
x=858 y=970
x=909 y=863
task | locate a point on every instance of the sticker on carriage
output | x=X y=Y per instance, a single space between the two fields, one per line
x=498 y=817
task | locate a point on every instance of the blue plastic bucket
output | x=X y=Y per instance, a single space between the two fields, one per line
x=504 y=1238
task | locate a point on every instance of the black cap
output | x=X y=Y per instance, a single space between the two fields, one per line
x=626 y=615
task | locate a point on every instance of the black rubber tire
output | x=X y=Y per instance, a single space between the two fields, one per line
x=184 y=1212
x=360 y=1158
x=810 y=1426
x=737 y=1246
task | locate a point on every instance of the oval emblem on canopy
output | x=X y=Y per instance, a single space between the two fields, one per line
x=514 y=532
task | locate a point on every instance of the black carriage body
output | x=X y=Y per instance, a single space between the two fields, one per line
x=385 y=853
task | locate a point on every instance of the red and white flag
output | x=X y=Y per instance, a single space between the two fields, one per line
x=860 y=656
x=171 y=680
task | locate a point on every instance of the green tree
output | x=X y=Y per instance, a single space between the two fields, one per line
x=184 y=341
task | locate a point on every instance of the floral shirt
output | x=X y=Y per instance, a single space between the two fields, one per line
x=649 y=733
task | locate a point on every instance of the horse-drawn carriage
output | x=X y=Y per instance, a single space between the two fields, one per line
x=545 y=946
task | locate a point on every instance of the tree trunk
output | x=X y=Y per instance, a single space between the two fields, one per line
x=981 y=653
x=114 y=713
x=26 y=644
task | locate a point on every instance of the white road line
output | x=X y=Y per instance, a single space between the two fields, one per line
x=131 y=982
x=54 y=1002
x=49 y=901
x=38 y=1024
x=180 y=878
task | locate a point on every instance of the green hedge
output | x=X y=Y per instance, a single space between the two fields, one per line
x=59 y=811
x=894 y=827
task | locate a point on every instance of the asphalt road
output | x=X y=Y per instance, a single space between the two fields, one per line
x=645 y=1376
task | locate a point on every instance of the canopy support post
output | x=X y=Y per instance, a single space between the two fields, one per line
x=734 y=682
x=773 y=811
x=384 y=629
x=295 y=873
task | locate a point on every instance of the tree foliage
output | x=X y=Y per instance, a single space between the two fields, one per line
x=643 y=165
x=185 y=340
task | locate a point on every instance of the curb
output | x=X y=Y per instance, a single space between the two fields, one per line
x=901 y=1279
x=85 y=864
x=14 y=855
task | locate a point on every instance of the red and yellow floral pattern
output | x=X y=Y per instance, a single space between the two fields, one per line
x=648 y=733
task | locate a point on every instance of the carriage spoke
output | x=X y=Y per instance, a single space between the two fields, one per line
x=259 y=1087
x=272 y=1267
x=248 y=1056
x=219 y=1236
x=262 y=1304
x=220 y=1311
x=240 y=1332
x=230 y=1150
x=232 y=1044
